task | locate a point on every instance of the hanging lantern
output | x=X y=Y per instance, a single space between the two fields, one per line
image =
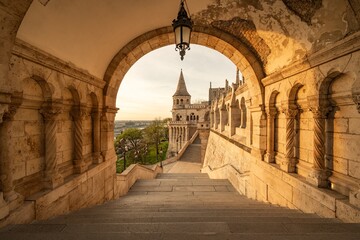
x=182 y=29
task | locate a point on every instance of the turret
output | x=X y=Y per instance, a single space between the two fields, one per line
x=181 y=97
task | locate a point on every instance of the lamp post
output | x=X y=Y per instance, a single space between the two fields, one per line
x=125 y=150
x=161 y=152
x=182 y=28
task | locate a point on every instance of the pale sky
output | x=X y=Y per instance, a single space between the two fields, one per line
x=147 y=88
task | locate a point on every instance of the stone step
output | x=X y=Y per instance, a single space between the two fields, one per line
x=215 y=214
x=182 y=175
x=192 y=227
x=175 y=236
x=244 y=218
x=185 y=206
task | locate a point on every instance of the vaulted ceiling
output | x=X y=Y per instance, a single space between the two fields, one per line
x=89 y=33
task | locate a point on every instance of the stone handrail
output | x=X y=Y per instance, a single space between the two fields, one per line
x=228 y=171
x=183 y=149
x=127 y=178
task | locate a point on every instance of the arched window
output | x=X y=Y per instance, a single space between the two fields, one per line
x=177 y=101
x=182 y=101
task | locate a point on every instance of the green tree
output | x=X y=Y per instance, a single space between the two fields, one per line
x=128 y=146
x=133 y=136
x=154 y=133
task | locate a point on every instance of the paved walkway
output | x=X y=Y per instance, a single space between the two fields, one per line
x=189 y=161
x=185 y=207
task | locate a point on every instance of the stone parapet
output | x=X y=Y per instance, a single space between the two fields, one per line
x=126 y=179
x=268 y=183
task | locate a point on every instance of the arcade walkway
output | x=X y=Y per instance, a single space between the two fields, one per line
x=184 y=206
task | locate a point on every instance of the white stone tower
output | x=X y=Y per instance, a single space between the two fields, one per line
x=185 y=118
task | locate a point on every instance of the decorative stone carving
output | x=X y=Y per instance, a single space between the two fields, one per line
x=271 y=114
x=97 y=157
x=319 y=173
x=6 y=176
x=289 y=165
x=52 y=176
x=3 y=109
x=356 y=99
x=79 y=115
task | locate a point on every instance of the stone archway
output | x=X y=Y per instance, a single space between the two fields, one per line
x=236 y=51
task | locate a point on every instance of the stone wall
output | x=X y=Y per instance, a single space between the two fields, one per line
x=56 y=143
x=300 y=149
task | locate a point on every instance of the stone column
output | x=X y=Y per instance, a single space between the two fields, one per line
x=4 y=208
x=6 y=177
x=319 y=173
x=79 y=115
x=231 y=120
x=289 y=163
x=52 y=176
x=107 y=133
x=216 y=123
x=222 y=118
x=97 y=157
x=354 y=196
x=271 y=114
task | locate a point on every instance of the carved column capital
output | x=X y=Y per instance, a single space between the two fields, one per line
x=271 y=112
x=50 y=113
x=80 y=113
x=356 y=99
x=3 y=109
x=290 y=112
x=320 y=112
x=319 y=106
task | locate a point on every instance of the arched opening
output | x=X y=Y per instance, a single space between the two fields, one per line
x=252 y=70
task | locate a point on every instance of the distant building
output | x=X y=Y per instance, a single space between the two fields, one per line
x=187 y=118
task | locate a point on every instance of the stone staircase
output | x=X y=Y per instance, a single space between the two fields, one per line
x=193 y=152
x=184 y=206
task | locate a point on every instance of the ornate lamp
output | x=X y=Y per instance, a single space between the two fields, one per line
x=182 y=29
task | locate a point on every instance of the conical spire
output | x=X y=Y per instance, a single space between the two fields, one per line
x=181 y=87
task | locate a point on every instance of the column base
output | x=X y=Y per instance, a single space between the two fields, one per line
x=4 y=208
x=97 y=158
x=288 y=165
x=80 y=166
x=269 y=158
x=319 y=178
x=53 y=181
x=13 y=199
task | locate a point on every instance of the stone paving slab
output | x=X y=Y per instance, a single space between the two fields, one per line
x=151 y=189
x=194 y=189
x=182 y=175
